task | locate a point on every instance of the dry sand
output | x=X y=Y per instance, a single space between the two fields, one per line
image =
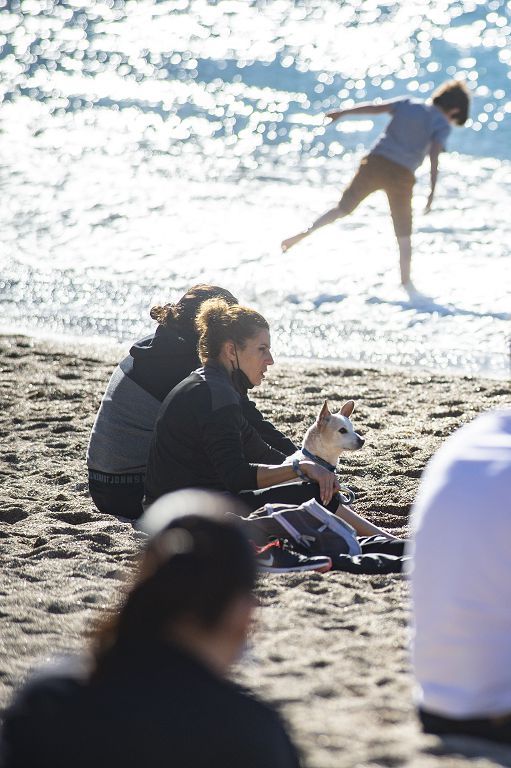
x=330 y=649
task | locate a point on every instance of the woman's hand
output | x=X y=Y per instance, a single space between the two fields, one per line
x=327 y=481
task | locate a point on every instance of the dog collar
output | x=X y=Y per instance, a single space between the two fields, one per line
x=346 y=494
x=318 y=460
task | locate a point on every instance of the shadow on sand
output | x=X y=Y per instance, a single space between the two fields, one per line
x=424 y=304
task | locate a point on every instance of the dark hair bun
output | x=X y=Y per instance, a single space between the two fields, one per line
x=162 y=314
x=185 y=310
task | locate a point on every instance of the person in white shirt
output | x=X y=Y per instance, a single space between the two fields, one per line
x=461 y=583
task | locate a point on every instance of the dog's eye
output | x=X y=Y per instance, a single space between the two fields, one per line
x=343 y=430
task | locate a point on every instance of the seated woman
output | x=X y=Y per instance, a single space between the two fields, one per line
x=154 y=691
x=121 y=435
x=203 y=440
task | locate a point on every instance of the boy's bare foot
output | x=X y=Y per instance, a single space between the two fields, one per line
x=287 y=244
x=409 y=287
x=415 y=295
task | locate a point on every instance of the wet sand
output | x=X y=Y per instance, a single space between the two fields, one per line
x=330 y=650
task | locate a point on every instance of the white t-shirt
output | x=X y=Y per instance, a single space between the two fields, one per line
x=461 y=578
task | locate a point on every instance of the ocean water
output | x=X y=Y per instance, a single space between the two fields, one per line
x=146 y=146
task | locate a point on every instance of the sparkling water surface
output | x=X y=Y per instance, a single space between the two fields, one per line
x=146 y=146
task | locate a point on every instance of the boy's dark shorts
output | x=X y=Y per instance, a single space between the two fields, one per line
x=377 y=172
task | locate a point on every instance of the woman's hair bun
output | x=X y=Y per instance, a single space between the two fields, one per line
x=212 y=311
x=183 y=313
x=218 y=321
x=162 y=314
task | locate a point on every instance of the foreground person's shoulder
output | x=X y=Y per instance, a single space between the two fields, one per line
x=260 y=737
x=35 y=707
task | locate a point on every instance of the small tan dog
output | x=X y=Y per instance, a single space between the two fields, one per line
x=329 y=436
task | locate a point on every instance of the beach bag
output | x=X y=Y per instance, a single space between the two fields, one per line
x=309 y=527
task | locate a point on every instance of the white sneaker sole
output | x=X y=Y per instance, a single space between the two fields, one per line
x=296 y=568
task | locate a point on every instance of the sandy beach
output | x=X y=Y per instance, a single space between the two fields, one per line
x=330 y=650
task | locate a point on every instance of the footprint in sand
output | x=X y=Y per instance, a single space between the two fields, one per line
x=103 y=539
x=315 y=589
x=12 y=515
x=62 y=607
x=74 y=518
x=62 y=480
x=69 y=375
x=320 y=663
x=61 y=428
x=325 y=692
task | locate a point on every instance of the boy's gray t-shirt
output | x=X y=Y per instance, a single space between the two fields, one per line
x=411 y=131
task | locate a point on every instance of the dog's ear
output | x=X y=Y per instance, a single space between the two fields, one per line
x=323 y=415
x=347 y=408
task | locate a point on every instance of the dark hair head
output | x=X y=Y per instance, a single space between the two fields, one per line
x=218 y=322
x=453 y=95
x=194 y=566
x=184 y=312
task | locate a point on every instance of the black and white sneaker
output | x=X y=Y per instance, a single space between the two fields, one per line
x=279 y=557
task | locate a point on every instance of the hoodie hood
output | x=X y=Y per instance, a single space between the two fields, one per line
x=162 y=360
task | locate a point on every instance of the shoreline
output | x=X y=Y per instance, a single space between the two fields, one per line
x=330 y=650
x=116 y=347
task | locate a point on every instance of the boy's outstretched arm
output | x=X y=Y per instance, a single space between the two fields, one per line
x=434 y=152
x=366 y=108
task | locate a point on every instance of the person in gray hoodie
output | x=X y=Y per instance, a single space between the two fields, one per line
x=122 y=431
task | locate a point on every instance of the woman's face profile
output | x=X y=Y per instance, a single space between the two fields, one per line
x=255 y=358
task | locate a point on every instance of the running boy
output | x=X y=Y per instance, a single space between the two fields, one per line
x=415 y=129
